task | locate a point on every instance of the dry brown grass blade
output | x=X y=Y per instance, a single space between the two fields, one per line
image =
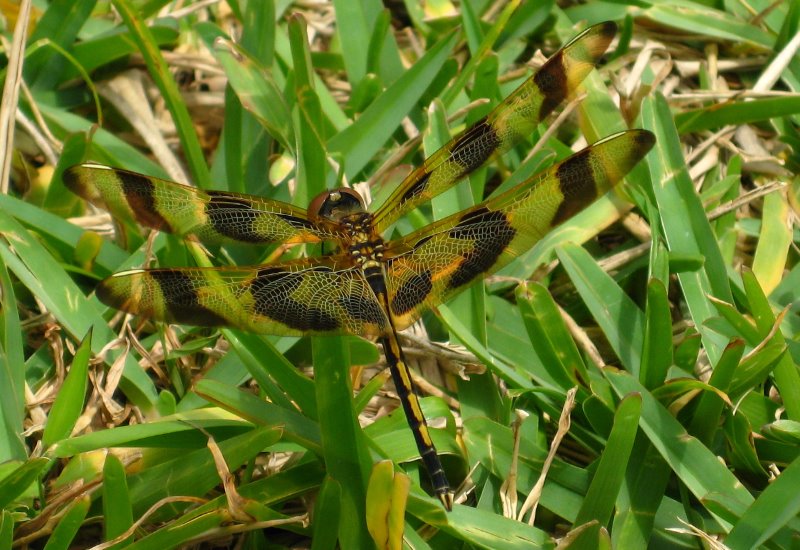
x=11 y=87
x=532 y=501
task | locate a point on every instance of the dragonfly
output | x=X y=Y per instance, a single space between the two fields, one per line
x=368 y=285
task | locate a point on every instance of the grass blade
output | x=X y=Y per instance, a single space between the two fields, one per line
x=778 y=504
x=686 y=227
x=610 y=473
x=618 y=316
x=359 y=142
x=71 y=396
x=695 y=465
x=116 y=499
x=346 y=457
x=160 y=72
x=64 y=533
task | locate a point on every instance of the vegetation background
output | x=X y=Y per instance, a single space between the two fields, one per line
x=678 y=325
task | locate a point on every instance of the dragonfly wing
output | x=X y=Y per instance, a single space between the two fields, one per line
x=289 y=298
x=513 y=119
x=429 y=266
x=211 y=216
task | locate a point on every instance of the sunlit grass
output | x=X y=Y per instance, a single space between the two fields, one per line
x=678 y=324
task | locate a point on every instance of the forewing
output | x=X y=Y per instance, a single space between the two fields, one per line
x=513 y=119
x=429 y=266
x=290 y=298
x=212 y=216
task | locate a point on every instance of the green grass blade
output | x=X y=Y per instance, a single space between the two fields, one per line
x=753 y=371
x=377 y=38
x=257 y=91
x=346 y=457
x=693 y=17
x=256 y=352
x=501 y=369
x=741 y=454
x=354 y=31
x=696 y=466
x=491 y=445
x=12 y=374
x=549 y=337
x=297 y=428
x=6 y=529
x=641 y=498
x=495 y=531
x=116 y=499
x=106 y=147
x=686 y=227
x=356 y=22
x=657 y=352
x=706 y=418
x=312 y=164
x=482 y=50
x=301 y=55
x=741 y=324
x=13 y=485
x=181 y=534
x=63 y=536
x=777 y=505
x=602 y=494
x=619 y=317
x=67 y=302
x=68 y=405
x=94 y=52
x=183 y=431
x=736 y=113
x=786 y=376
x=359 y=142
x=59 y=25
x=193 y=473
x=259 y=30
x=326 y=528
x=162 y=76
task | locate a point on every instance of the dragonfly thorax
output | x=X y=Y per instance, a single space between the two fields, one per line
x=343 y=211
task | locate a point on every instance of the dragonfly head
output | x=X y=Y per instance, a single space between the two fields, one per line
x=336 y=206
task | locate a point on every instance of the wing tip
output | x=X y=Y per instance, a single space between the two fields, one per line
x=82 y=179
x=596 y=38
x=606 y=29
x=75 y=179
x=644 y=140
x=108 y=293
